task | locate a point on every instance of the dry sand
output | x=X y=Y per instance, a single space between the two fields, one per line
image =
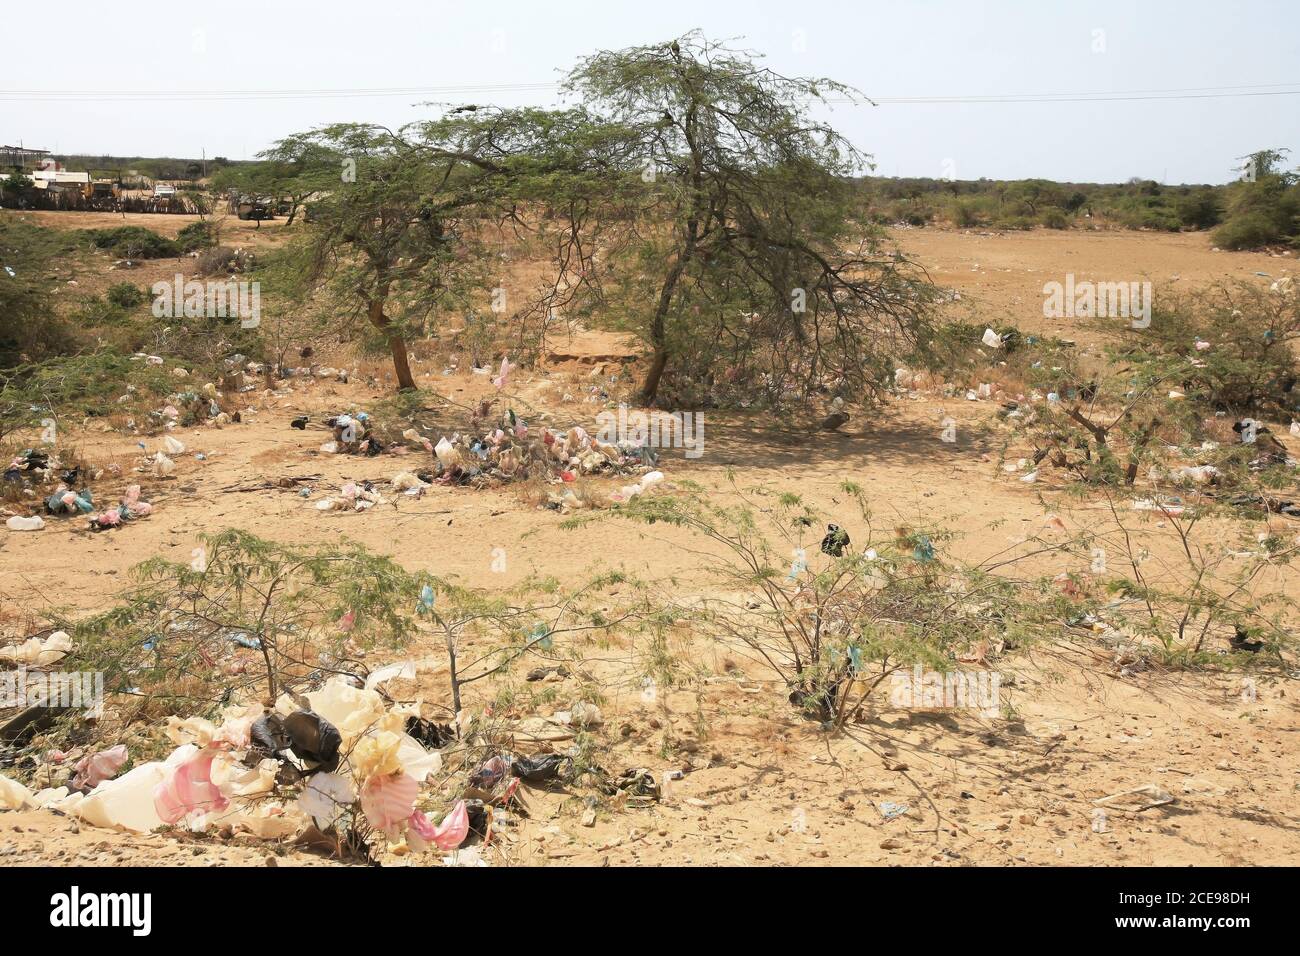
x=760 y=786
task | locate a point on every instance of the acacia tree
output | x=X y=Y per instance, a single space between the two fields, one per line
x=748 y=254
x=403 y=232
x=294 y=169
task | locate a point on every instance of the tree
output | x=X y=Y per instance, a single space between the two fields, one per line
x=294 y=169
x=744 y=208
x=15 y=190
x=1036 y=194
x=402 y=230
x=1200 y=209
x=1263 y=208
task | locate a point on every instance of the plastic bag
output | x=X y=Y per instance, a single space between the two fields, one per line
x=94 y=769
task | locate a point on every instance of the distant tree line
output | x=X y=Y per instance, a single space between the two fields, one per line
x=1260 y=208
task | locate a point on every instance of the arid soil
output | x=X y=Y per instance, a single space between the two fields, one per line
x=759 y=785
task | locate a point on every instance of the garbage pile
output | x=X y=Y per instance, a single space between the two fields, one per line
x=352 y=497
x=507 y=451
x=128 y=509
x=352 y=435
x=314 y=765
x=186 y=408
x=194 y=408
x=70 y=496
x=512 y=451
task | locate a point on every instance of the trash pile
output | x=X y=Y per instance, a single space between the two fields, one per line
x=128 y=509
x=185 y=408
x=194 y=408
x=314 y=765
x=508 y=451
x=70 y=496
x=512 y=451
x=352 y=497
x=38 y=651
x=341 y=768
x=352 y=435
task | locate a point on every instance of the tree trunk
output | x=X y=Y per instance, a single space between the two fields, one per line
x=396 y=344
x=650 y=388
x=658 y=335
x=658 y=327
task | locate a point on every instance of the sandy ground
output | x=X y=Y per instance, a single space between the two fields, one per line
x=758 y=785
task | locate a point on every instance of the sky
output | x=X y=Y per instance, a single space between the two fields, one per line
x=170 y=83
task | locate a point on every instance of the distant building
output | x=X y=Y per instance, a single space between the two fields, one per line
x=51 y=179
x=20 y=157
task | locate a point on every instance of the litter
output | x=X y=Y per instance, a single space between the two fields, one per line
x=14 y=796
x=453 y=830
x=542 y=768
x=404 y=669
x=581 y=714
x=1173 y=507
x=130 y=508
x=388 y=800
x=325 y=798
x=188 y=789
x=94 y=769
x=1137 y=799
x=21 y=523
x=1197 y=474
x=639 y=784
x=352 y=497
x=64 y=501
x=892 y=811
x=37 y=652
x=835 y=541
x=304 y=739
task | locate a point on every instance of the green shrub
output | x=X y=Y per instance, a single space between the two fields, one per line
x=133 y=242
x=1262 y=213
x=77 y=386
x=1200 y=210
x=1014 y=222
x=195 y=236
x=92 y=311
x=29 y=328
x=1054 y=217
x=1150 y=214
x=1249 y=231
x=220 y=259
x=126 y=295
x=963 y=214
x=1247 y=362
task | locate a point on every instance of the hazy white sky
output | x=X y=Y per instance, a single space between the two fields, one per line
x=923 y=48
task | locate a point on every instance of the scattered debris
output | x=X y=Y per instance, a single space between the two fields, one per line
x=1137 y=799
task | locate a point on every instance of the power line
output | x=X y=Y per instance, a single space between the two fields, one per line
x=1208 y=92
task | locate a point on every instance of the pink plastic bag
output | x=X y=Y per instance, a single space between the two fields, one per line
x=388 y=800
x=189 y=790
x=454 y=828
x=94 y=769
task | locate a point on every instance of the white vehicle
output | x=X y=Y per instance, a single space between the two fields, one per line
x=163 y=191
